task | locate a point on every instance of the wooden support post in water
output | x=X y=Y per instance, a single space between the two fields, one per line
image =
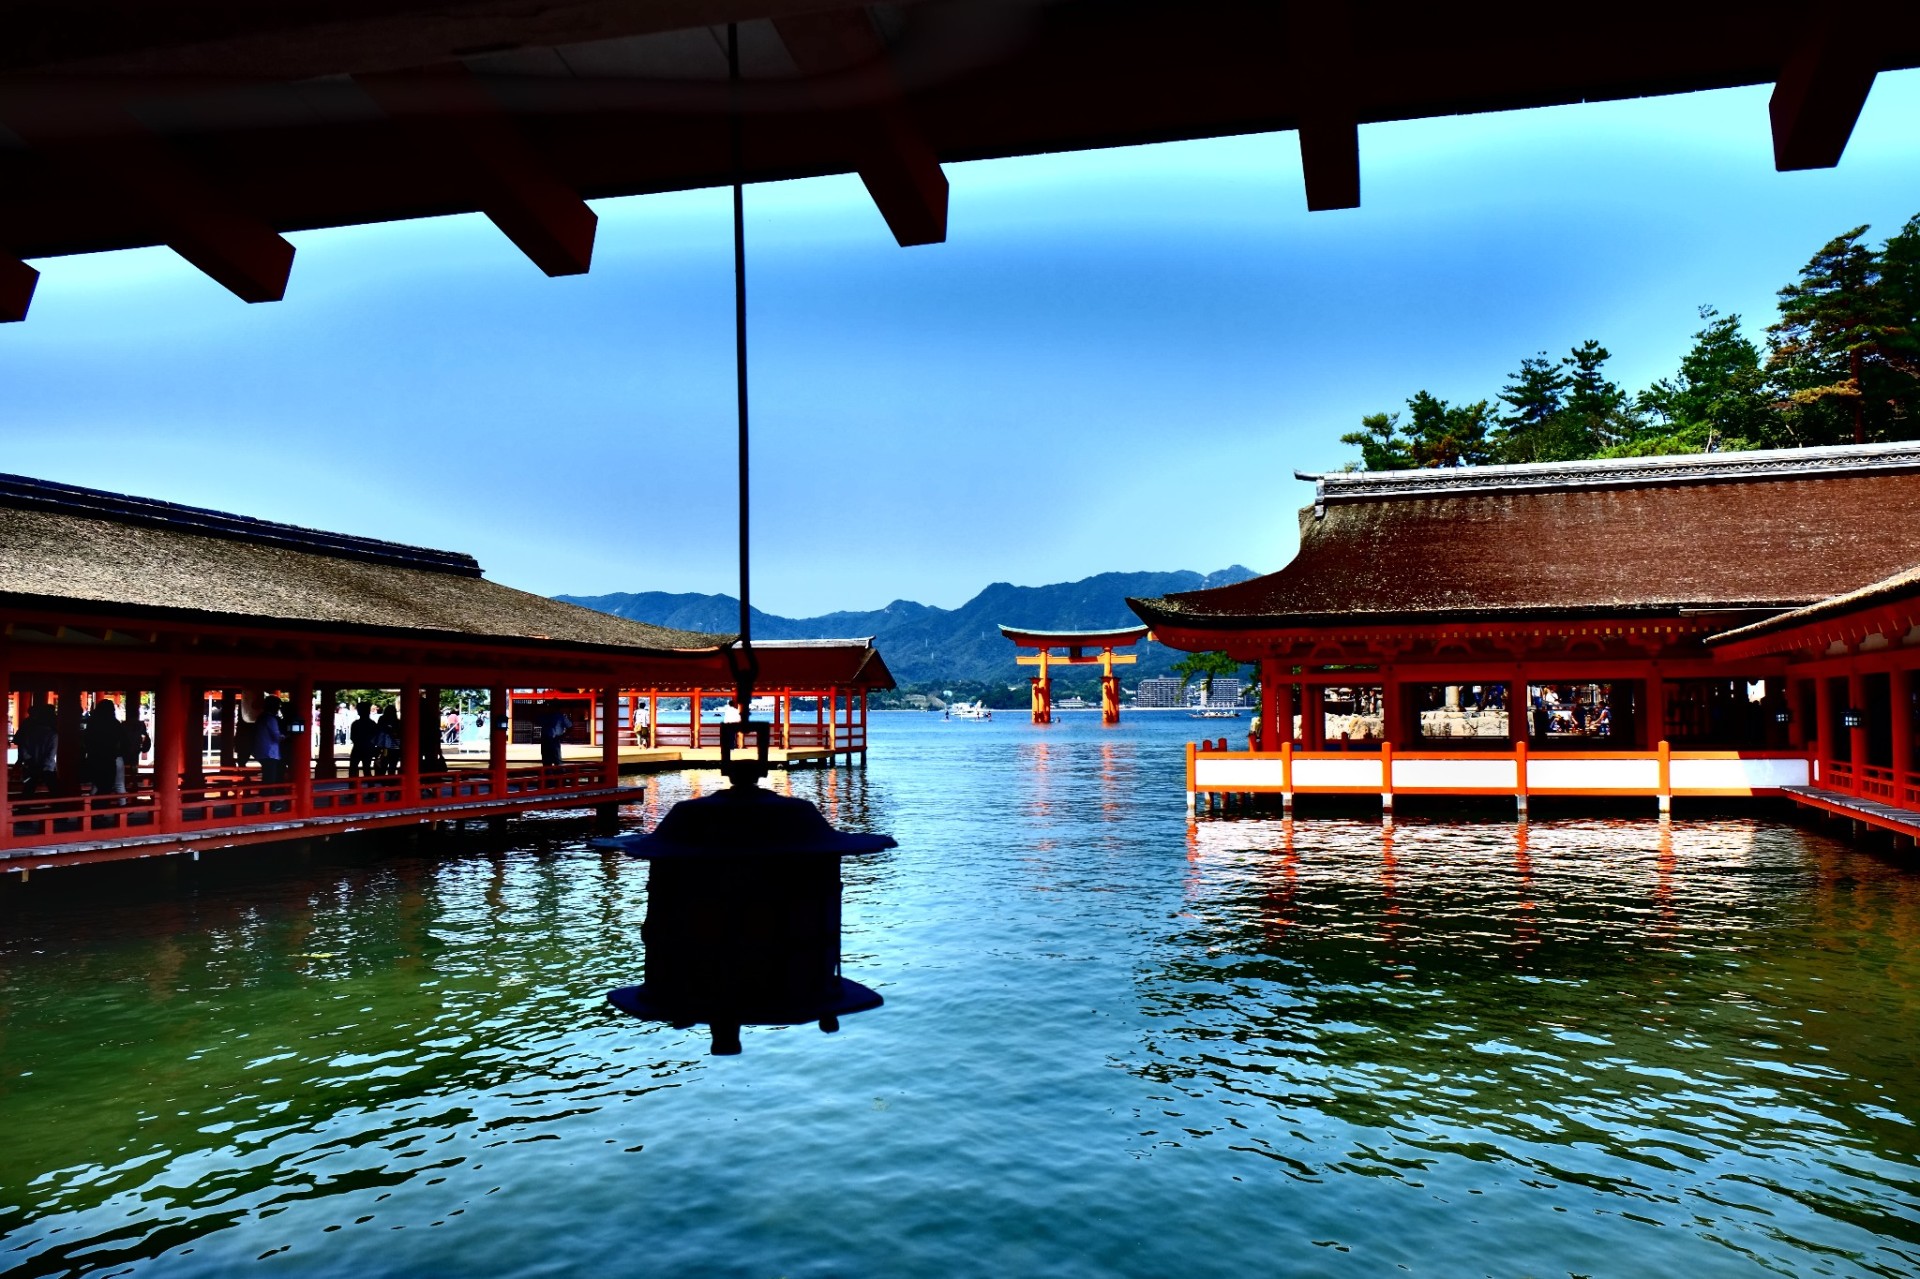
x=1666 y=776
x=1386 y=779
x=1286 y=777
x=1192 y=750
x=1519 y=769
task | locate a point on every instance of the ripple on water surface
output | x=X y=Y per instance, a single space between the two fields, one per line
x=1114 y=1042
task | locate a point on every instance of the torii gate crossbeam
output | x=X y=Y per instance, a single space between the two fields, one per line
x=1083 y=648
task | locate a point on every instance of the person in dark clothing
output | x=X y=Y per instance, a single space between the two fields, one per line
x=554 y=724
x=386 y=743
x=39 y=743
x=270 y=742
x=103 y=743
x=362 y=732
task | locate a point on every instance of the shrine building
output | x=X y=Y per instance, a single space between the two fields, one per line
x=1660 y=626
x=177 y=624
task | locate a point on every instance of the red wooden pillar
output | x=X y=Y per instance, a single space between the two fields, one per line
x=1900 y=692
x=497 y=730
x=191 y=726
x=174 y=717
x=1824 y=728
x=1519 y=709
x=1391 y=708
x=1313 y=723
x=229 y=727
x=653 y=719
x=1276 y=706
x=68 y=722
x=610 y=736
x=863 y=722
x=1857 y=737
x=1796 y=717
x=324 y=764
x=410 y=742
x=1656 y=708
x=693 y=720
x=785 y=711
x=10 y=723
x=299 y=747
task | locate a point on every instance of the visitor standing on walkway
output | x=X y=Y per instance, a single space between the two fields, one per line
x=270 y=742
x=554 y=724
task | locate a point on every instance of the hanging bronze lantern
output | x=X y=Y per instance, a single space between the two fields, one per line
x=743 y=908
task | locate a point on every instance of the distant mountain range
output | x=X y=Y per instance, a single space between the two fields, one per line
x=923 y=644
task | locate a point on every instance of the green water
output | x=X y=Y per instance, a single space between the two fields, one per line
x=1113 y=1043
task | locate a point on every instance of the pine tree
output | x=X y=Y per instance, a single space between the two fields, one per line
x=1829 y=329
x=1718 y=400
x=1382 y=447
x=1596 y=415
x=1535 y=397
x=1440 y=434
x=1899 y=346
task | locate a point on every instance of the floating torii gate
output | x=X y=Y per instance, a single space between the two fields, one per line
x=1077 y=644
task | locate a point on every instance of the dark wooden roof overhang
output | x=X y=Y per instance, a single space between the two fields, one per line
x=44 y=635
x=1732 y=536
x=217 y=126
x=1889 y=608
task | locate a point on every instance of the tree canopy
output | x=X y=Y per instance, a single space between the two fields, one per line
x=1841 y=362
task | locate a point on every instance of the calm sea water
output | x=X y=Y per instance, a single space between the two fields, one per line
x=1114 y=1043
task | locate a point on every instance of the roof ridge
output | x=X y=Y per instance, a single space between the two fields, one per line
x=47 y=495
x=1816 y=462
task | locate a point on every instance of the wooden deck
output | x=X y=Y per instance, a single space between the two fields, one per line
x=1900 y=821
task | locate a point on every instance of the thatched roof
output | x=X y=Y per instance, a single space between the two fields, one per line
x=1900 y=588
x=65 y=547
x=1764 y=530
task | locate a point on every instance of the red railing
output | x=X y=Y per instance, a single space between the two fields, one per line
x=1870 y=781
x=238 y=798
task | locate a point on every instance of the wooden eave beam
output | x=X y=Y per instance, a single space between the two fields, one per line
x=1321 y=68
x=457 y=123
x=16 y=289
x=103 y=146
x=895 y=162
x=1822 y=87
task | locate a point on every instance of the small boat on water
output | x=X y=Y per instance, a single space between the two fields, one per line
x=968 y=710
x=1214 y=712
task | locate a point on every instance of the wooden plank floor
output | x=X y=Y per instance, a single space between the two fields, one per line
x=1901 y=821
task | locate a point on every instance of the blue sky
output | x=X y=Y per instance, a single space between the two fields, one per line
x=1116 y=362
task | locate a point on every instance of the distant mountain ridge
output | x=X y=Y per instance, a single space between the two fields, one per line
x=924 y=644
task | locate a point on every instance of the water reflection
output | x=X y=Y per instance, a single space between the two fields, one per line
x=1120 y=1043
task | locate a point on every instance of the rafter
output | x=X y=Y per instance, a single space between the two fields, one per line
x=456 y=123
x=103 y=146
x=901 y=172
x=16 y=288
x=1821 y=89
x=1321 y=62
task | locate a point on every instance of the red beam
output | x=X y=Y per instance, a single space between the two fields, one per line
x=1822 y=88
x=456 y=123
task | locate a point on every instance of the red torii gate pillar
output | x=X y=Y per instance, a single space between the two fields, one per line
x=1077 y=644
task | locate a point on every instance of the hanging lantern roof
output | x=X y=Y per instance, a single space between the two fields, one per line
x=745 y=821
